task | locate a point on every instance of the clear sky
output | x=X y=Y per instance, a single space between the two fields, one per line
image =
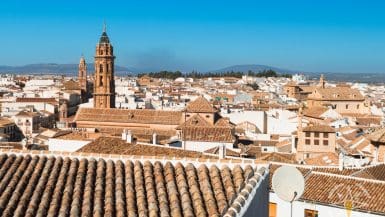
x=304 y=35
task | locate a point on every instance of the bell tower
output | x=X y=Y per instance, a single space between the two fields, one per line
x=82 y=74
x=104 y=84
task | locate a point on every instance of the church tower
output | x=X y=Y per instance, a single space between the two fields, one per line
x=322 y=81
x=104 y=84
x=82 y=75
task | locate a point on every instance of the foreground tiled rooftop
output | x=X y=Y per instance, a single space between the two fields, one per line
x=364 y=187
x=47 y=184
x=110 y=145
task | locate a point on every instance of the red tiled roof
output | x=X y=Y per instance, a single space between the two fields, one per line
x=378 y=136
x=33 y=185
x=208 y=134
x=195 y=121
x=36 y=99
x=146 y=116
x=319 y=128
x=200 y=105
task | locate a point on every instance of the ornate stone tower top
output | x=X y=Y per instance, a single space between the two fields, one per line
x=104 y=84
x=82 y=74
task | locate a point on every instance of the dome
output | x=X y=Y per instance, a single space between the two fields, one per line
x=104 y=38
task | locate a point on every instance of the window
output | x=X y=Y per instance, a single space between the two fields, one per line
x=107 y=70
x=311 y=213
x=326 y=135
x=272 y=209
x=307 y=142
x=307 y=134
x=100 y=68
x=207 y=116
x=101 y=81
x=316 y=134
x=316 y=142
x=326 y=142
x=347 y=106
x=358 y=106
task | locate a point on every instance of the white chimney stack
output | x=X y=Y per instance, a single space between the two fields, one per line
x=222 y=151
x=129 y=137
x=154 y=139
x=124 y=135
x=341 y=161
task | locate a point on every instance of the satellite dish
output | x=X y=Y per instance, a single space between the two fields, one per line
x=288 y=183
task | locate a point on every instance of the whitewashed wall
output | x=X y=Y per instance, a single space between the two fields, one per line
x=66 y=145
x=283 y=209
x=203 y=146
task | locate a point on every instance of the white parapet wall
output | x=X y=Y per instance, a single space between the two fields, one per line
x=66 y=145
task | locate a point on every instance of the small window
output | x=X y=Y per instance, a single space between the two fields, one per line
x=307 y=134
x=311 y=213
x=316 y=142
x=101 y=81
x=307 y=141
x=326 y=142
x=326 y=135
x=347 y=106
x=100 y=68
x=207 y=116
x=358 y=106
x=316 y=134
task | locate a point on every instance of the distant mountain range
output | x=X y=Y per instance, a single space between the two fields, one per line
x=254 y=68
x=53 y=68
x=72 y=69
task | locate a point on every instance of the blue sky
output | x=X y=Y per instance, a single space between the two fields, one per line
x=320 y=36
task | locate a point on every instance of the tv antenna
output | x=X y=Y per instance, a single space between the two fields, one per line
x=289 y=184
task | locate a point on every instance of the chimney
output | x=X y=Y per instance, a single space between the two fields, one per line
x=341 y=161
x=124 y=135
x=129 y=137
x=264 y=130
x=300 y=113
x=154 y=138
x=222 y=151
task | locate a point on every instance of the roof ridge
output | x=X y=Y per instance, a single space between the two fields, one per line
x=347 y=177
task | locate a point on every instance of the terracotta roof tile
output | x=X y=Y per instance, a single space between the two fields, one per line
x=200 y=105
x=208 y=134
x=145 y=116
x=110 y=145
x=36 y=100
x=378 y=136
x=57 y=186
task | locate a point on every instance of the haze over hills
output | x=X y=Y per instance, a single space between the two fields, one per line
x=53 y=68
x=72 y=69
x=253 y=67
